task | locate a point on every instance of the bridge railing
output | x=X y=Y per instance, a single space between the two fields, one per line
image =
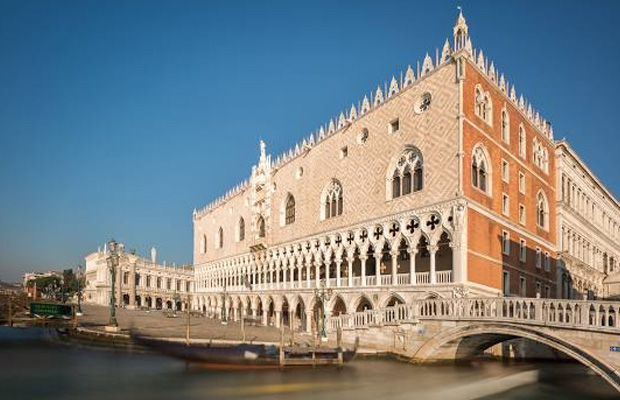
x=580 y=314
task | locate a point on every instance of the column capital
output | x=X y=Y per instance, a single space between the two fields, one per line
x=433 y=248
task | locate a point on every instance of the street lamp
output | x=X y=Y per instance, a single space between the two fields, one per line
x=79 y=291
x=112 y=260
x=324 y=294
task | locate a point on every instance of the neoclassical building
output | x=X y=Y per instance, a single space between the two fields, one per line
x=140 y=282
x=439 y=183
x=589 y=230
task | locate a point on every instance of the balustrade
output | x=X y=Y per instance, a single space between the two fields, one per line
x=546 y=312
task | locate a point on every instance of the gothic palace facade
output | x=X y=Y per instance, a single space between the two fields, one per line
x=443 y=183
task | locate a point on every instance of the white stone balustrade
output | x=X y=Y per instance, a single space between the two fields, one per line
x=598 y=315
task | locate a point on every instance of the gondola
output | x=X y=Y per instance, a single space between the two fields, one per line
x=248 y=356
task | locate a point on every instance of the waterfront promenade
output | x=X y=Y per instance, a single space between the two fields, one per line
x=155 y=323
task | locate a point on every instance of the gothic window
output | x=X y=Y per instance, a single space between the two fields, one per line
x=290 y=210
x=522 y=144
x=203 y=244
x=483 y=106
x=542 y=211
x=220 y=237
x=407 y=175
x=480 y=173
x=540 y=155
x=241 y=229
x=332 y=200
x=260 y=224
x=505 y=126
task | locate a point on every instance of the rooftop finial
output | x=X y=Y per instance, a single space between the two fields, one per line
x=461 y=31
x=262 y=150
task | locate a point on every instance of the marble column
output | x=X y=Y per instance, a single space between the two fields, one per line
x=433 y=250
x=378 y=268
x=394 y=255
x=363 y=261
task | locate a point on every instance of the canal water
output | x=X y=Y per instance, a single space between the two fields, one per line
x=31 y=369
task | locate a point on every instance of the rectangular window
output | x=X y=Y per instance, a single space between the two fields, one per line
x=522 y=286
x=538 y=258
x=344 y=152
x=547 y=292
x=505 y=204
x=538 y=290
x=521 y=214
x=506 y=243
x=522 y=251
x=521 y=182
x=394 y=126
x=505 y=171
x=547 y=262
x=506 y=283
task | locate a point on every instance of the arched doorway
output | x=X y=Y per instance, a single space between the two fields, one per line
x=285 y=313
x=138 y=301
x=179 y=306
x=125 y=299
x=339 y=307
x=169 y=305
x=300 y=315
x=363 y=305
x=259 y=308
x=271 y=315
x=159 y=303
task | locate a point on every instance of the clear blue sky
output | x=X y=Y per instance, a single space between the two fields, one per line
x=117 y=118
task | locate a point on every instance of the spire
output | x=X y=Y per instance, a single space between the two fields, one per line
x=461 y=31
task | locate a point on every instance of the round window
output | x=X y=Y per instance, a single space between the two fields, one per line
x=423 y=103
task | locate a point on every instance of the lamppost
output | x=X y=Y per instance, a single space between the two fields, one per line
x=324 y=294
x=79 y=291
x=112 y=260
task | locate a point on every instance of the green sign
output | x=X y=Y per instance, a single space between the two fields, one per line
x=53 y=310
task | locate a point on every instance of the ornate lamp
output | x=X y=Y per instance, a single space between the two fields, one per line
x=112 y=261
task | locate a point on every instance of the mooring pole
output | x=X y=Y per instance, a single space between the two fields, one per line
x=10 y=311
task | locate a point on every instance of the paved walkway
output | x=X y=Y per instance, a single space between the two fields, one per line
x=155 y=323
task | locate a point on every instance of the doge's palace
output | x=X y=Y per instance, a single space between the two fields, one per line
x=436 y=184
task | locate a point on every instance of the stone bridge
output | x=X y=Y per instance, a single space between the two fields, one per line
x=458 y=329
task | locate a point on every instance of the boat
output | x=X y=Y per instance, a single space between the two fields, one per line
x=247 y=355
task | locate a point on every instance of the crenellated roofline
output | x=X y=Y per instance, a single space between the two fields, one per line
x=381 y=95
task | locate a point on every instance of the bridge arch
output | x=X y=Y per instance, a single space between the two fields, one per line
x=465 y=341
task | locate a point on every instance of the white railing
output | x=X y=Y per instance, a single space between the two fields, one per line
x=599 y=315
x=443 y=276
x=422 y=278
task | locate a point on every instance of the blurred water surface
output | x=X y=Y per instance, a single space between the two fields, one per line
x=39 y=370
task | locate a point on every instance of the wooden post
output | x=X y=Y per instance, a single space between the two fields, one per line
x=243 y=325
x=187 y=326
x=10 y=311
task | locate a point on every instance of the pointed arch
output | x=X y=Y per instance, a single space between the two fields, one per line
x=332 y=200
x=220 y=237
x=241 y=230
x=505 y=125
x=405 y=174
x=287 y=210
x=481 y=173
x=542 y=210
x=203 y=244
x=260 y=226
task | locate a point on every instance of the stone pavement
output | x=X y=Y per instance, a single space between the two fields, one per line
x=155 y=323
